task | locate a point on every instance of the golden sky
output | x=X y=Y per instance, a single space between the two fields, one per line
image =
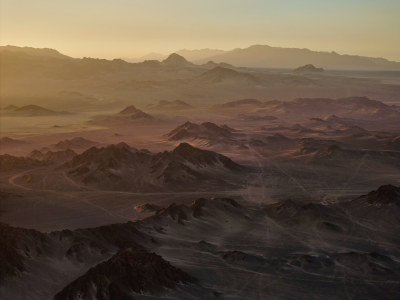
x=132 y=28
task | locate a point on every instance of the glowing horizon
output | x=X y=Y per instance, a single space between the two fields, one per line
x=133 y=28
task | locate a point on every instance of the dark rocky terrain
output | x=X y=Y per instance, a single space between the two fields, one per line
x=121 y=167
x=127 y=272
x=292 y=244
x=207 y=131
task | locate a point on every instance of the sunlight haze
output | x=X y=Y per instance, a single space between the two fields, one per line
x=132 y=28
x=209 y=149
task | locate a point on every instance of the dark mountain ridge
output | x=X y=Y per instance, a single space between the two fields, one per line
x=125 y=168
x=207 y=130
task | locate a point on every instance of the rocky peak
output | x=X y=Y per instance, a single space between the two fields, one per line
x=131 y=109
x=385 y=194
x=175 y=60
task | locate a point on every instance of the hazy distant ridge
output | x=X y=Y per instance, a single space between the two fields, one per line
x=264 y=56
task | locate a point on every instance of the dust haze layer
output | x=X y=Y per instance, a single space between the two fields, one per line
x=204 y=174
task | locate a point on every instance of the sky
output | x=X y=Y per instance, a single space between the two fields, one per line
x=132 y=28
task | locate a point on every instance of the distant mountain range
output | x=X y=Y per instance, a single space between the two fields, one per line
x=30 y=111
x=200 y=54
x=39 y=52
x=258 y=56
x=263 y=56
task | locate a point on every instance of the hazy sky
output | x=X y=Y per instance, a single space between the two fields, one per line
x=131 y=28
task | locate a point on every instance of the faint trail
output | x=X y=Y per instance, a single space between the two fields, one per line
x=12 y=179
x=257 y=154
x=260 y=165
x=323 y=278
x=356 y=171
x=81 y=199
x=74 y=183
